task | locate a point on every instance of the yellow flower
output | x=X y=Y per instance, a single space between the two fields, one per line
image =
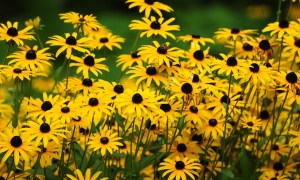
x=79 y=175
x=155 y=27
x=35 y=23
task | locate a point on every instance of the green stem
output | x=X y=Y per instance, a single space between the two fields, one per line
x=278 y=13
x=10 y=44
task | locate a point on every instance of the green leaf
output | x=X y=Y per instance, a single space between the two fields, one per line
x=147 y=160
x=261 y=143
x=244 y=164
x=228 y=173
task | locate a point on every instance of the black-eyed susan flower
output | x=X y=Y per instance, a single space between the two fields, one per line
x=108 y=40
x=259 y=74
x=196 y=113
x=180 y=168
x=105 y=140
x=147 y=75
x=44 y=131
x=112 y=89
x=80 y=20
x=68 y=110
x=69 y=43
x=148 y=6
x=138 y=103
x=161 y=53
x=185 y=89
x=155 y=27
x=79 y=121
x=79 y=175
x=85 y=86
x=196 y=39
x=170 y=112
x=198 y=58
x=229 y=65
x=234 y=34
x=213 y=127
x=265 y=45
x=288 y=80
x=35 y=23
x=95 y=105
x=48 y=155
x=278 y=150
x=295 y=141
x=13 y=143
x=39 y=108
x=277 y=167
x=96 y=32
x=129 y=60
x=15 y=73
x=271 y=175
x=88 y=63
x=251 y=122
x=245 y=49
x=31 y=58
x=182 y=147
x=281 y=28
x=11 y=33
x=292 y=45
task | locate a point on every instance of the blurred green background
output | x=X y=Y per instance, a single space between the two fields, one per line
x=202 y=17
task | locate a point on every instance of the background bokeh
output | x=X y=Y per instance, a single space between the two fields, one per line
x=202 y=17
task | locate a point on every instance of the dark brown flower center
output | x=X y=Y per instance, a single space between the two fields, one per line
x=84 y=131
x=278 y=166
x=135 y=55
x=13 y=32
x=198 y=138
x=247 y=47
x=119 y=89
x=231 y=61
x=93 y=102
x=45 y=128
x=77 y=120
x=155 y=25
x=65 y=109
x=212 y=122
x=264 y=114
x=194 y=109
x=297 y=42
x=150 y=126
x=89 y=61
x=187 y=88
x=30 y=55
x=123 y=146
x=235 y=30
x=151 y=71
x=16 y=141
x=71 y=40
x=264 y=45
x=199 y=55
x=87 y=82
x=104 y=40
x=254 y=68
x=195 y=78
x=225 y=99
x=165 y=107
x=162 y=49
x=47 y=105
x=250 y=124
x=17 y=70
x=150 y=2
x=291 y=77
x=196 y=36
x=275 y=147
x=283 y=23
x=179 y=165
x=137 y=98
x=181 y=147
x=104 y=140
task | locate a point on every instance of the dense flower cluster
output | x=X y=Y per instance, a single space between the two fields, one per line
x=179 y=114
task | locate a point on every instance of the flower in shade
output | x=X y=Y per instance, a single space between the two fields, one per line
x=108 y=40
x=148 y=6
x=44 y=131
x=271 y=175
x=245 y=49
x=180 y=168
x=251 y=122
x=87 y=176
x=35 y=23
x=292 y=45
x=182 y=147
x=282 y=27
x=295 y=141
x=88 y=63
x=11 y=33
x=105 y=140
x=161 y=54
x=30 y=58
x=155 y=27
x=70 y=43
x=196 y=39
x=48 y=154
x=12 y=142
